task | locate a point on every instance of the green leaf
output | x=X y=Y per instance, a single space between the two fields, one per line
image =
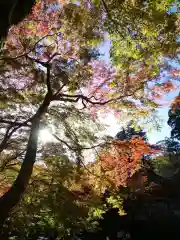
x=96 y=2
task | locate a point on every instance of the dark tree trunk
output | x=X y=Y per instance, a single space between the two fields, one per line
x=13 y=195
x=13 y=12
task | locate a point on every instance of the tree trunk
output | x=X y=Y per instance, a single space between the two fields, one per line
x=13 y=195
x=12 y=12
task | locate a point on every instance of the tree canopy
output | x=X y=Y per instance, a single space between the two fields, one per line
x=53 y=77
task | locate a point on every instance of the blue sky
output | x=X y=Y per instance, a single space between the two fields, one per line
x=155 y=135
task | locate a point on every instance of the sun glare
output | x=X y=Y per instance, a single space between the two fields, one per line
x=45 y=136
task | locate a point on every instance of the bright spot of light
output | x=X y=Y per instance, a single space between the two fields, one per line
x=45 y=136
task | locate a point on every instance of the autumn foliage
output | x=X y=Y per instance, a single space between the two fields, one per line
x=176 y=103
x=53 y=77
x=123 y=159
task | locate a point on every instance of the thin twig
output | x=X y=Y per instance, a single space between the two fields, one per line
x=32 y=49
x=10 y=132
x=80 y=147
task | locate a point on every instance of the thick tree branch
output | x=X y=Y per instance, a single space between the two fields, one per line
x=106 y=8
x=76 y=98
x=48 y=81
x=44 y=64
x=48 y=69
x=59 y=90
x=54 y=55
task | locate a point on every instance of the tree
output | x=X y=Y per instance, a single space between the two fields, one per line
x=143 y=35
x=131 y=131
x=123 y=157
x=169 y=146
x=166 y=162
x=38 y=80
x=49 y=77
x=147 y=31
x=174 y=118
x=53 y=203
